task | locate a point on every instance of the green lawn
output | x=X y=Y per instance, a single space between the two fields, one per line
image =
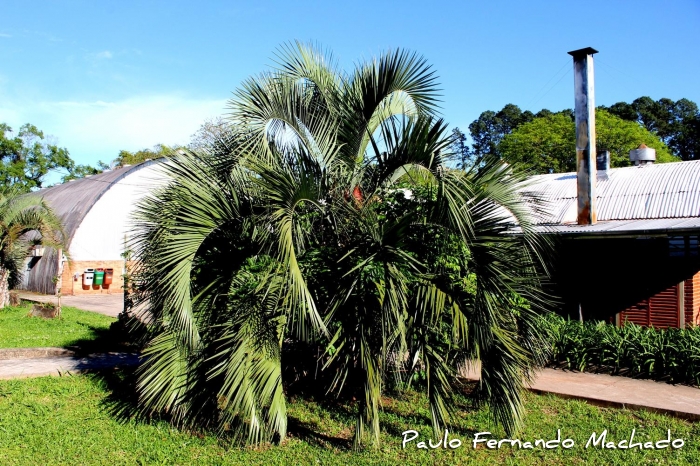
x=18 y=330
x=69 y=421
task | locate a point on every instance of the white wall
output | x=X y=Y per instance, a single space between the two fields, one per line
x=101 y=234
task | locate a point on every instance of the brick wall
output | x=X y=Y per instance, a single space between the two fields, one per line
x=71 y=286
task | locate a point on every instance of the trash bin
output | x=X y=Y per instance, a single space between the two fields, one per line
x=99 y=276
x=109 y=273
x=88 y=277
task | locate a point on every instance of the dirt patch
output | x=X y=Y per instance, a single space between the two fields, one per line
x=45 y=310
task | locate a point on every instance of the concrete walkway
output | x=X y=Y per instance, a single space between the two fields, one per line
x=615 y=391
x=108 y=304
x=61 y=365
x=599 y=389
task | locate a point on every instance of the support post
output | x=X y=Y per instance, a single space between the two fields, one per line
x=681 y=304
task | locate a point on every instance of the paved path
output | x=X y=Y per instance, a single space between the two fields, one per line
x=600 y=389
x=108 y=304
x=608 y=390
x=615 y=391
x=37 y=367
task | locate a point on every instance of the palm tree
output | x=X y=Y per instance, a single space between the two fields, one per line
x=24 y=220
x=330 y=214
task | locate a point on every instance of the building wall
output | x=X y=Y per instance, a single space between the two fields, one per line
x=103 y=233
x=96 y=213
x=39 y=273
x=662 y=309
x=634 y=278
x=73 y=286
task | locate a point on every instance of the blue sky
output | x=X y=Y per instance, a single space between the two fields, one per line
x=104 y=76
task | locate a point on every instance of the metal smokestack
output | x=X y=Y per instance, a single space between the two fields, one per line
x=585 y=135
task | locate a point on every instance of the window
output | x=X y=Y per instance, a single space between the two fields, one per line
x=684 y=246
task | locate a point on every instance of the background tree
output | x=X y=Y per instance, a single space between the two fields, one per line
x=27 y=157
x=676 y=123
x=490 y=128
x=620 y=136
x=123 y=159
x=126 y=157
x=81 y=171
x=19 y=216
x=212 y=132
x=542 y=145
x=548 y=144
x=463 y=155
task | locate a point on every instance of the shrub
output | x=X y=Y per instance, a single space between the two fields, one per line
x=663 y=354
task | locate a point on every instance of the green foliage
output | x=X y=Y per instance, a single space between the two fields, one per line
x=463 y=153
x=27 y=158
x=327 y=217
x=549 y=143
x=124 y=158
x=676 y=123
x=668 y=354
x=672 y=128
x=490 y=128
x=81 y=171
x=132 y=158
x=69 y=420
x=544 y=144
x=21 y=215
x=620 y=136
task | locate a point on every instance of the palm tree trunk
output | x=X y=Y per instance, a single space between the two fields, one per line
x=4 y=287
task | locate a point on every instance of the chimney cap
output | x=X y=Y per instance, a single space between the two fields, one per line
x=582 y=52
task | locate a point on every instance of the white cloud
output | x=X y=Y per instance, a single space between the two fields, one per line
x=98 y=130
x=97 y=56
x=2 y=34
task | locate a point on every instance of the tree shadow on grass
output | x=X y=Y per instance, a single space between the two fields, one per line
x=102 y=340
x=120 y=384
x=121 y=404
x=399 y=412
x=310 y=433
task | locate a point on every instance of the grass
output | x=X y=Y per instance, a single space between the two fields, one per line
x=72 y=420
x=73 y=328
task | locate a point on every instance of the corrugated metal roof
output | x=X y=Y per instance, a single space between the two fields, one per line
x=71 y=201
x=658 y=191
x=664 y=226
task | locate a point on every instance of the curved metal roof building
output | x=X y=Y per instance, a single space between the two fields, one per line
x=95 y=212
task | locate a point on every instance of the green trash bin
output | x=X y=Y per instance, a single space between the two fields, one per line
x=99 y=276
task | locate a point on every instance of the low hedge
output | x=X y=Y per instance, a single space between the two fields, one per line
x=672 y=355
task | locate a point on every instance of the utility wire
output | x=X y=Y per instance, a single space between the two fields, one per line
x=606 y=65
x=627 y=77
x=535 y=99
x=552 y=87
